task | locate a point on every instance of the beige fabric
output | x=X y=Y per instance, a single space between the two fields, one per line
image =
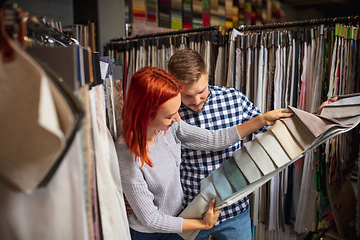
x=119 y=102
x=299 y=131
x=88 y=156
x=55 y=212
x=33 y=136
x=273 y=148
x=259 y=156
x=284 y=137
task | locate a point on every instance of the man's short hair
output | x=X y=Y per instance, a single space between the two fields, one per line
x=187 y=65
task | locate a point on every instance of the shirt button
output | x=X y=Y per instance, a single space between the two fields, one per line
x=210 y=168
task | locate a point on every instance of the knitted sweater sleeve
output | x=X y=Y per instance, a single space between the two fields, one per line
x=209 y=140
x=148 y=217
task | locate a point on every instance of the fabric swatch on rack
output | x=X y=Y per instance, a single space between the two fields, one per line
x=208 y=190
x=88 y=158
x=273 y=148
x=110 y=194
x=337 y=110
x=246 y=165
x=139 y=11
x=187 y=14
x=316 y=125
x=41 y=137
x=221 y=183
x=151 y=13
x=286 y=140
x=300 y=132
x=233 y=173
x=206 y=13
x=118 y=98
x=259 y=156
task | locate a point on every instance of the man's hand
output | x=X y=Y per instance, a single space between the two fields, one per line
x=331 y=100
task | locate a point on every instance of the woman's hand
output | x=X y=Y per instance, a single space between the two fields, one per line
x=331 y=100
x=207 y=222
x=270 y=117
x=260 y=121
x=211 y=215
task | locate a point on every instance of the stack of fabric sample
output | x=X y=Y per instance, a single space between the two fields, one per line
x=269 y=153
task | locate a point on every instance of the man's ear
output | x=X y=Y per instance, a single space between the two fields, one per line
x=207 y=71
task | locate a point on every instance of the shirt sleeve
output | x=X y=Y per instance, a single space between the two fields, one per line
x=140 y=198
x=209 y=140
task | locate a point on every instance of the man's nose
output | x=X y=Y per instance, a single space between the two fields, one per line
x=197 y=100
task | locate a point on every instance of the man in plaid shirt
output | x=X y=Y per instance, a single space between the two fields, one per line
x=211 y=107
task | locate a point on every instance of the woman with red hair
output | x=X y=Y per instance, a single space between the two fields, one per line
x=149 y=154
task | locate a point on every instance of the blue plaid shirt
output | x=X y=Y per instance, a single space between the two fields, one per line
x=225 y=107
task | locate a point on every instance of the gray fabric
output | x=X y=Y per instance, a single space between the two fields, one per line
x=259 y=156
x=234 y=175
x=246 y=165
x=301 y=133
x=208 y=190
x=221 y=183
x=315 y=124
x=340 y=112
x=344 y=101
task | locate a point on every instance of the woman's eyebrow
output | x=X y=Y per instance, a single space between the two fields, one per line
x=170 y=115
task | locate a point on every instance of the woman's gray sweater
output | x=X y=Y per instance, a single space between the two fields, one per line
x=155 y=193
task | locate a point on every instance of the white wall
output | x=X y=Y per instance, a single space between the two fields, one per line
x=111 y=21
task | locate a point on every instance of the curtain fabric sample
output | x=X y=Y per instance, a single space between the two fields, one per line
x=308 y=182
x=50 y=122
x=52 y=212
x=110 y=193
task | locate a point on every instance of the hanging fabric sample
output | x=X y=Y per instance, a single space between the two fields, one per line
x=50 y=221
x=43 y=124
x=112 y=206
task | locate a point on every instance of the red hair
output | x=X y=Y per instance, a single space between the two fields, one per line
x=149 y=89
